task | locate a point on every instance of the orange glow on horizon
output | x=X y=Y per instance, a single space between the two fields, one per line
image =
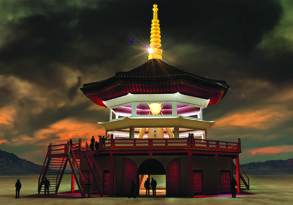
x=271 y=150
x=69 y=129
x=257 y=119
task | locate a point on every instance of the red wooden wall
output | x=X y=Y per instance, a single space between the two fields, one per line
x=129 y=175
x=107 y=183
x=197 y=181
x=225 y=181
x=173 y=178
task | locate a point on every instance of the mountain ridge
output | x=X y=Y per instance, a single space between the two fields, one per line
x=269 y=167
x=10 y=164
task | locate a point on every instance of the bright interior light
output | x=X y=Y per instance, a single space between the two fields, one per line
x=155 y=108
x=150 y=50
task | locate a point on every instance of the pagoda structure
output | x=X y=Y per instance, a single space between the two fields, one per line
x=156 y=129
x=156 y=100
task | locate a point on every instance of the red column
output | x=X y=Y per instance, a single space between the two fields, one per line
x=189 y=171
x=237 y=174
x=72 y=183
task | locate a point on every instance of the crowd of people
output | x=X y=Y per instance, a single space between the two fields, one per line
x=96 y=145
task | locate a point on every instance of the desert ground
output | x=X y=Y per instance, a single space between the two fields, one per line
x=264 y=190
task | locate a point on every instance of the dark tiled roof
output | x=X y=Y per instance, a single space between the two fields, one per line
x=156 y=76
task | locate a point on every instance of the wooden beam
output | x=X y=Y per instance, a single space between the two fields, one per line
x=237 y=164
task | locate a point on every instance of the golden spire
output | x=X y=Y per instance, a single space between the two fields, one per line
x=155 y=51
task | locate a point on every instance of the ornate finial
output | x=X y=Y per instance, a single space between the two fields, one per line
x=155 y=51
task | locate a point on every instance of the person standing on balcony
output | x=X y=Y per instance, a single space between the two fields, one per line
x=92 y=145
x=97 y=145
x=17 y=188
x=102 y=140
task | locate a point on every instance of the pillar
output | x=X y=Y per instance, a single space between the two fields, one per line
x=200 y=116
x=131 y=132
x=237 y=166
x=112 y=171
x=189 y=171
x=176 y=132
x=174 y=108
x=111 y=116
x=72 y=183
x=133 y=109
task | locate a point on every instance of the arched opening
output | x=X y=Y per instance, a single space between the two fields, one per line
x=152 y=169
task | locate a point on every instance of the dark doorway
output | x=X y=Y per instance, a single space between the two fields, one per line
x=152 y=168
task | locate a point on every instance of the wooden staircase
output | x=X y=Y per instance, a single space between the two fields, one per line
x=53 y=168
x=94 y=173
x=244 y=179
x=58 y=157
x=245 y=183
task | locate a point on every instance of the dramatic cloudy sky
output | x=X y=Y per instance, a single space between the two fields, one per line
x=49 y=48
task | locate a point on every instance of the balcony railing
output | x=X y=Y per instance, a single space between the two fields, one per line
x=170 y=144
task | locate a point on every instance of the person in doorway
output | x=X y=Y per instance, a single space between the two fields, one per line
x=154 y=186
x=147 y=186
x=233 y=189
x=17 y=188
x=92 y=145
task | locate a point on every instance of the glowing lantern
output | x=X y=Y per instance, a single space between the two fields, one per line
x=155 y=108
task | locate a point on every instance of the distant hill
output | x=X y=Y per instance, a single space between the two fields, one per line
x=269 y=167
x=10 y=164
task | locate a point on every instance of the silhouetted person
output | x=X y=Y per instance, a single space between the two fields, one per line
x=233 y=189
x=47 y=186
x=154 y=186
x=17 y=188
x=97 y=145
x=69 y=145
x=103 y=140
x=147 y=186
x=133 y=189
x=92 y=145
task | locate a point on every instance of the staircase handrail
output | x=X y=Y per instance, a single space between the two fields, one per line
x=245 y=179
x=72 y=156
x=61 y=168
x=60 y=174
x=93 y=167
x=44 y=168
